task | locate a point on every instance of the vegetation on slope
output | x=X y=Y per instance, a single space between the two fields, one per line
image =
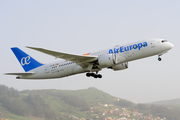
x=60 y=104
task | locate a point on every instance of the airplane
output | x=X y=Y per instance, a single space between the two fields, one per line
x=115 y=58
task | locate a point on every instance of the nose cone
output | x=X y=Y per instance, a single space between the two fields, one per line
x=171 y=45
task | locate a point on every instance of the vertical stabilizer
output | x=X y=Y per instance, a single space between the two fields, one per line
x=26 y=61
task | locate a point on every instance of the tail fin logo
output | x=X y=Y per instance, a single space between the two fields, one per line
x=25 y=60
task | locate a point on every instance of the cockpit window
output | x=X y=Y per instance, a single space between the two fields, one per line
x=164 y=41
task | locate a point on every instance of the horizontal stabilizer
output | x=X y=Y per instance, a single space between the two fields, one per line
x=19 y=73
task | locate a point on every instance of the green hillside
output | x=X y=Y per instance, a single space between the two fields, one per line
x=84 y=104
x=49 y=103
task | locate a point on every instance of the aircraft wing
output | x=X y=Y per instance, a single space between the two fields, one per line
x=78 y=59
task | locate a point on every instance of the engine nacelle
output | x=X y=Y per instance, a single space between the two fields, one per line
x=106 y=60
x=121 y=66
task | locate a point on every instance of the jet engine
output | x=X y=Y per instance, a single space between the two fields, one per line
x=106 y=60
x=121 y=66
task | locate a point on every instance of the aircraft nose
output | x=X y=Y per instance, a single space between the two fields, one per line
x=171 y=45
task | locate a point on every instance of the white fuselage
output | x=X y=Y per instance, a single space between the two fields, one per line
x=124 y=53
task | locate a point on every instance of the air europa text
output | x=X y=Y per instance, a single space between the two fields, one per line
x=128 y=48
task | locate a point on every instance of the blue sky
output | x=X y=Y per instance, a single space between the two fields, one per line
x=85 y=26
